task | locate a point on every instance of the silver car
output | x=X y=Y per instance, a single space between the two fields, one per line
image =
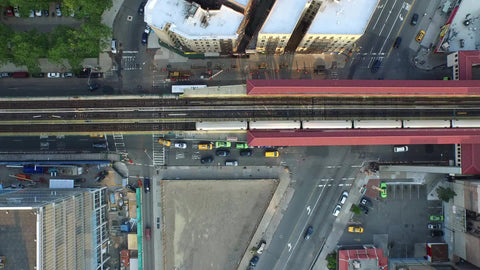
x=337 y=209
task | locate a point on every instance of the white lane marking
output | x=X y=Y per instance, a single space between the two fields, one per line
x=309 y=210
x=289 y=247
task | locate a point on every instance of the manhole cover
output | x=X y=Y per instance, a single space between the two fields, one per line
x=129 y=18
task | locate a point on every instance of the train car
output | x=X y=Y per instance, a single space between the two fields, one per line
x=326 y=124
x=222 y=125
x=426 y=123
x=292 y=124
x=471 y=123
x=377 y=124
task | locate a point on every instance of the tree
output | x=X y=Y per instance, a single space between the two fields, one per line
x=27 y=48
x=332 y=260
x=356 y=209
x=445 y=194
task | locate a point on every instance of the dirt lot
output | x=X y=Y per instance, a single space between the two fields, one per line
x=208 y=224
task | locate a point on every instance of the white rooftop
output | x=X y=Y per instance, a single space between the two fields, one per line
x=283 y=17
x=343 y=17
x=218 y=24
x=468 y=10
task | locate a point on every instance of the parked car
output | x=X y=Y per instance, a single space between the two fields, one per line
x=93 y=86
x=31 y=14
x=147 y=29
x=180 y=145
x=147 y=233
x=46 y=12
x=436 y=218
x=5 y=74
x=101 y=175
x=246 y=153
x=344 y=197
x=67 y=75
x=114 y=46
x=397 y=42
x=375 y=66
x=420 y=36
x=38 y=75
x=144 y=38
x=436 y=233
x=20 y=74
x=205 y=146
x=400 y=149
x=38 y=13
x=206 y=160
x=53 y=75
x=336 y=210
x=58 y=10
x=383 y=187
x=355 y=229
x=222 y=144
x=9 y=11
x=241 y=146
x=308 y=233
x=16 y=12
x=261 y=246
x=231 y=163
x=146 y=185
x=222 y=153
x=366 y=201
x=141 y=8
x=164 y=142
x=414 y=19
x=434 y=226
x=272 y=154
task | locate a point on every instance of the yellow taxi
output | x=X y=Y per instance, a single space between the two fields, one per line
x=164 y=142
x=206 y=146
x=97 y=135
x=271 y=154
x=355 y=229
x=420 y=36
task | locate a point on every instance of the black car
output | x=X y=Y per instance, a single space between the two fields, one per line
x=308 y=233
x=246 y=153
x=141 y=8
x=366 y=201
x=101 y=175
x=45 y=13
x=5 y=74
x=144 y=38
x=397 y=42
x=414 y=19
x=222 y=153
x=364 y=209
x=93 y=86
x=436 y=233
x=205 y=160
x=146 y=185
x=376 y=66
x=38 y=75
x=254 y=261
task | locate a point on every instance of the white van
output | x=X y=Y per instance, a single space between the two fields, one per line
x=400 y=148
x=261 y=247
x=114 y=46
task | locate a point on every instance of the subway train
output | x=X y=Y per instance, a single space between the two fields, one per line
x=335 y=124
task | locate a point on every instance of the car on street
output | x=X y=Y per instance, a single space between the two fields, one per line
x=180 y=145
x=436 y=218
x=67 y=75
x=400 y=148
x=414 y=19
x=58 y=10
x=246 y=153
x=308 y=233
x=366 y=201
x=93 y=86
x=420 y=36
x=146 y=185
x=397 y=42
x=9 y=11
x=375 y=66
x=355 y=229
x=206 y=160
x=271 y=154
x=436 y=233
x=336 y=210
x=434 y=226
x=222 y=153
x=46 y=12
x=32 y=14
x=38 y=13
x=222 y=144
x=205 y=146
x=383 y=192
x=147 y=29
x=5 y=74
x=147 y=233
x=144 y=38
x=101 y=175
x=364 y=209
x=53 y=75
x=164 y=142
x=344 y=197
x=241 y=146
x=254 y=261
x=16 y=12
x=261 y=247
x=114 y=46
x=141 y=8
x=38 y=75
x=231 y=163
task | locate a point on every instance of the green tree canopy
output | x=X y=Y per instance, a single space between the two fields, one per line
x=445 y=194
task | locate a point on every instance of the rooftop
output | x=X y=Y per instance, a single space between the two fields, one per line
x=18 y=234
x=362 y=259
x=191 y=21
x=343 y=17
x=468 y=10
x=283 y=16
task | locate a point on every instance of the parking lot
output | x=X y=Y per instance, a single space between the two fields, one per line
x=397 y=223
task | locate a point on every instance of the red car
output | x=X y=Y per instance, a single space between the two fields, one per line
x=147 y=233
x=9 y=11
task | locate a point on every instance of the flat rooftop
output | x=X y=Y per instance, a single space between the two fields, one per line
x=283 y=16
x=467 y=10
x=191 y=21
x=18 y=236
x=348 y=17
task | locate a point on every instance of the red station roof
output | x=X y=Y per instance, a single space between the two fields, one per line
x=363 y=87
x=347 y=256
x=467 y=59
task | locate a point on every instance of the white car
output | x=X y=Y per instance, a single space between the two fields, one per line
x=148 y=29
x=180 y=145
x=53 y=75
x=114 y=46
x=38 y=13
x=344 y=197
x=400 y=149
x=58 y=10
x=32 y=14
x=336 y=211
x=16 y=12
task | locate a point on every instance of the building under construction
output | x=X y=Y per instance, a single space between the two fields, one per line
x=54 y=228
